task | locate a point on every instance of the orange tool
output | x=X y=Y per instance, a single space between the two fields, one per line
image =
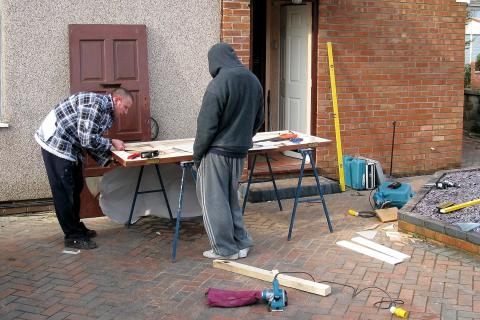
x=287 y=136
x=281 y=137
x=134 y=155
x=144 y=154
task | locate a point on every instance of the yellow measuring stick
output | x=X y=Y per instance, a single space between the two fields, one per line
x=333 y=85
x=460 y=206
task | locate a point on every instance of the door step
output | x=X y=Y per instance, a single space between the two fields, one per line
x=263 y=191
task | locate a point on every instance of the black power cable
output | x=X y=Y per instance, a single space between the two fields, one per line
x=154 y=128
x=370 y=198
x=367 y=214
x=394 y=123
x=379 y=304
x=386 y=204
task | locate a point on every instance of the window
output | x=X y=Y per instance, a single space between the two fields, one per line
x=475 y=13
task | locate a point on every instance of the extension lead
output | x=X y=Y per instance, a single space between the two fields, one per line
x=363 y=214
x=399 y=312
x=392 y=303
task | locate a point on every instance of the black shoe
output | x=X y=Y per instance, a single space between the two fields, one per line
x=85 y=244
x=90 y=233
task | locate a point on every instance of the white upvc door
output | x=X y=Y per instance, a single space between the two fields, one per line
x=295 y=68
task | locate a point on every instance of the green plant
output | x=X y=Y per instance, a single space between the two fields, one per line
x=417 y=236
x=468 y=76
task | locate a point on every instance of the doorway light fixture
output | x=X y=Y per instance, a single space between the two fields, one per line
x=297 y=1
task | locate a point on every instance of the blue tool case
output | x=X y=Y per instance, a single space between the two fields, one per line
x=354 y=171
x=362 y=173
x=390 y=197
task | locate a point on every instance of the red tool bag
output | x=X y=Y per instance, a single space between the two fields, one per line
x=231 y=299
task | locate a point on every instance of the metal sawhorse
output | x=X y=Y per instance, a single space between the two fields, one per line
x=185 y=165
x=304 y=152
x=162 y=190
x=250 y=176
x=188 y=165
x=308 y=152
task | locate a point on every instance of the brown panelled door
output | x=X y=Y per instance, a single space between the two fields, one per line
x=102 y=58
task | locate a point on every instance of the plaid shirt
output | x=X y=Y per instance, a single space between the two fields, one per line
x=81 y=120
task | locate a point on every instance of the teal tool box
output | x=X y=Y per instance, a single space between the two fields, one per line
x=347 y=164
x=392 y=194
x=362 y=173
x=354 y=171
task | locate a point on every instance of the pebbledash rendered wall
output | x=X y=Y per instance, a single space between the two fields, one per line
x=35 y=71
x=394 y=61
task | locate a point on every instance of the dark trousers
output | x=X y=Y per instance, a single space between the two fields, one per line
x=66 y=182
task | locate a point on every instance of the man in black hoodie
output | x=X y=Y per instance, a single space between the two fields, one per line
x=231 y=114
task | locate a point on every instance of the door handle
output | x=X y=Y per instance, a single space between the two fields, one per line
x=110 y=85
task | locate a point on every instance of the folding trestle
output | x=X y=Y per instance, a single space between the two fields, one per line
x=162 y=190
x=308 y=152
x=186 y=165
x=250 y=176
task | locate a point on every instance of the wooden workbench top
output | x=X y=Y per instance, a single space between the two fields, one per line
x=172 y=151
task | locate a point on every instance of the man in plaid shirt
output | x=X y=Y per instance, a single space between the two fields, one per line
x=75 y=125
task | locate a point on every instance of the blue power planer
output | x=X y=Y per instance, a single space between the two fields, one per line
x=392 y=194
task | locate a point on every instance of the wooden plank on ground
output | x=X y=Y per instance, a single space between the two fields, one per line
x=383 y=249
x=265 y=275
x=369 y=252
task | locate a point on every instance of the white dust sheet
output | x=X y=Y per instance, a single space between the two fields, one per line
x=117 y=189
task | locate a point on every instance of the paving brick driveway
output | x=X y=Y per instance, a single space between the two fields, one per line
x=130 y=275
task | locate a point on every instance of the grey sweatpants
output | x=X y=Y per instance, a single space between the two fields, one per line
x=217 y=192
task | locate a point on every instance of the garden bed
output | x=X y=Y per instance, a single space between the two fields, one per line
x=421 y=216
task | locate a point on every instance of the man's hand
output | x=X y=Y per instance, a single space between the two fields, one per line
x=118 y=144
x=196 y=164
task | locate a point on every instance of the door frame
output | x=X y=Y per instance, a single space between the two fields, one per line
x=314 y=60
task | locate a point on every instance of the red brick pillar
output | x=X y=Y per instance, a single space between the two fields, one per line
x=235 y=28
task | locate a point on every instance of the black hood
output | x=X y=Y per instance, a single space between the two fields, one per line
x=220 y=56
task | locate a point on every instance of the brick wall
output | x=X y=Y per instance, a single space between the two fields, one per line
x=394 y=60
x=398 y=61
x=235 y=28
